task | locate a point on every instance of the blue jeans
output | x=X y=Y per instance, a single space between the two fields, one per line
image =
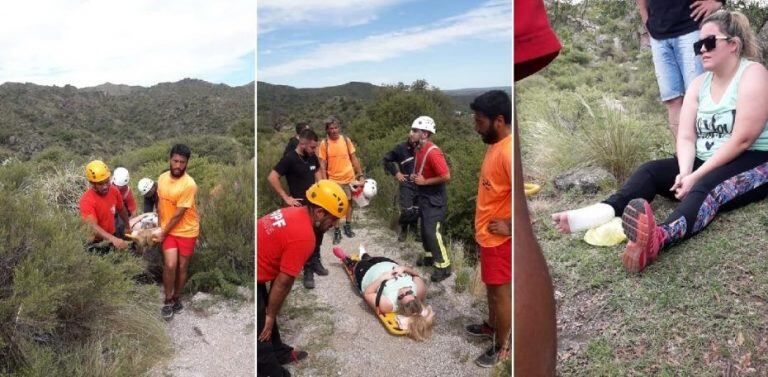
x=676 y=64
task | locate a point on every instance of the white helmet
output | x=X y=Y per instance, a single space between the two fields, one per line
x=369 y=188
x=145 y=184
x=424 y=123
x=120 y=177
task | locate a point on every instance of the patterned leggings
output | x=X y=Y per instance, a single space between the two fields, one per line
x=736 y=184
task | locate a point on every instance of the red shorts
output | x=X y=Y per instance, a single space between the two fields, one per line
x=496 y=264
x=185 y=245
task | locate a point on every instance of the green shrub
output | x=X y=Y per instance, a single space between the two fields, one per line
x=62 y=309
x=226 y=256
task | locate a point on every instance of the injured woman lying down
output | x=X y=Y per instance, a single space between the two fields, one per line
x=388 y=287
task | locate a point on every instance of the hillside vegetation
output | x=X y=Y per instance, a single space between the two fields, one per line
x=64 y=311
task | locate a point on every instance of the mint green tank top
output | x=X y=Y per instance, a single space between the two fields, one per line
x=392 y=286
x=714 y=121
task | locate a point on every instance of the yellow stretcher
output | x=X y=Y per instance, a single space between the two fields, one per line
x=389 y=320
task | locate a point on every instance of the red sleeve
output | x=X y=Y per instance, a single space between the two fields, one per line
x=117 y=197
x=296 y=256
x=86 y=208
x=130 y=202
x=437 y=160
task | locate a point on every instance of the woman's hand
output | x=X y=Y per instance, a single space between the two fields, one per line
x=678 y=182
x=685 y=186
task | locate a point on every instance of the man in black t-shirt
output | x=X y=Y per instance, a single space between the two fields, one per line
x=674 y=27
x=294 y=142
x=301 y=169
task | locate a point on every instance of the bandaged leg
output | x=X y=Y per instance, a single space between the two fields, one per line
x=583 y=218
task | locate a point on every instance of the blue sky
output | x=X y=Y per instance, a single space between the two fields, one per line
x=136 y=42
x=451 y=44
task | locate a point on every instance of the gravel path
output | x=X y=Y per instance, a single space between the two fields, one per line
x=361 y=345
x=211 y=341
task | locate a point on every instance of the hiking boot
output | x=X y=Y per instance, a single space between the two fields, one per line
x=167 y=311
x=440 y=274
x=645 y=238
x=425 y=261
x=481 y=330
x=336 y=236
x=489 y=358
x=294 y=356
x=319 y=268
x=348 y=230
x=309 y=278
x=416 y=232
x=403 y=234
x=177 y=306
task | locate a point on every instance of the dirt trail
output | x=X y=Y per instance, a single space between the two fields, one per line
x=360 y=346
x=211 y=337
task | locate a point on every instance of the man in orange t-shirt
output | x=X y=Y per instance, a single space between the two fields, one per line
x=99 y=205
x=179 y=225
x=493 y=226
x=339 y=164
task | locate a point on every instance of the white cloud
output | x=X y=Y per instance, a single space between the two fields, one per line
x=492 y=19
x=275 y=14
x=137 y=42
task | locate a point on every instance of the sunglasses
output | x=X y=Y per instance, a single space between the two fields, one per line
x=709 y=43
x=402 y=295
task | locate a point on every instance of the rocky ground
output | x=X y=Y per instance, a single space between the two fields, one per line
x=211 y=337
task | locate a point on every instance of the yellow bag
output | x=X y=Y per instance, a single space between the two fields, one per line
x=608 y=234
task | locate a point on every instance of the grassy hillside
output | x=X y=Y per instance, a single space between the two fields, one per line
x=113 y=118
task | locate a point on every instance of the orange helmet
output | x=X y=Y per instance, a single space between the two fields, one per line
x=97 y=171
x=330 y=196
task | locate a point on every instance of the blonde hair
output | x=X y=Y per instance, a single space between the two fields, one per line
x=736 y=24
x=419 y=327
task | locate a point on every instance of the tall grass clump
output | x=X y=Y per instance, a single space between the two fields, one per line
x=62 y=310
x=583 y=128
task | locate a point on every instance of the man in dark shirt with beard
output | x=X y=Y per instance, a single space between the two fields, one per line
x=301 y=170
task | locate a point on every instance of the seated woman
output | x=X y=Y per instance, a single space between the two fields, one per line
x=722 y=150
x=402 y=291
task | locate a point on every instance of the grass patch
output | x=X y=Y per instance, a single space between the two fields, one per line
x=697 y=310
x=304 y=307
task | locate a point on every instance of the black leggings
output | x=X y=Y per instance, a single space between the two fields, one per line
x=361 y=267
x=733 y=185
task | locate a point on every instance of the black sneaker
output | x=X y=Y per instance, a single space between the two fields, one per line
x=336 y=236
x=489 y=358
x=177 y=306
x=348 y=230
x=319 y=269
x=167 y=311
x=481 y=330
x=403 y=234
x=425 y=261
x=440 y=274
x=309 y=278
